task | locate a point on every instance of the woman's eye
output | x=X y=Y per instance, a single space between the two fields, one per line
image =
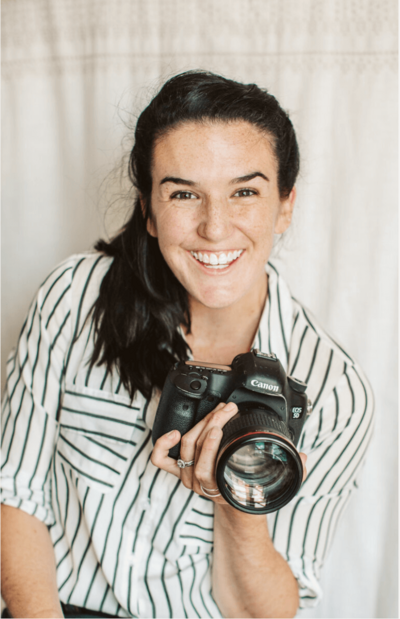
x=184 y=195
x=245 y=193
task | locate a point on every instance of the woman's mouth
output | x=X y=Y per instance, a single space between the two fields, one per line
x=217 y=260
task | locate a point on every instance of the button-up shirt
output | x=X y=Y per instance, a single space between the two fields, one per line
x=130 y=539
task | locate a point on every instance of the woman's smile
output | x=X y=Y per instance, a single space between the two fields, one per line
x=217 y=262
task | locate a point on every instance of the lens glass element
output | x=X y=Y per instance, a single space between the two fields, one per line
x=259 y=472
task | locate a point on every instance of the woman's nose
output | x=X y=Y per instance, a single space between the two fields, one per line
x=216 y=224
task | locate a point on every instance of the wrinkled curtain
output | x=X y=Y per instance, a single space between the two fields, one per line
x=75 y=75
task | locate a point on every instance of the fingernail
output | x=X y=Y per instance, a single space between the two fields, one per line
x=171 y=434
x=219 y=406
x=231 y=406
x=214 y=433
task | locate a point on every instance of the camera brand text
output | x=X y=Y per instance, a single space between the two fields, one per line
x=256 y=383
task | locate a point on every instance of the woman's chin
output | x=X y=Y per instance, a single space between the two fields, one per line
x=217 y=300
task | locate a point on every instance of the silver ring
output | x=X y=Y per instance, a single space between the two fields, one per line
x=182 y=464
x=205 y=491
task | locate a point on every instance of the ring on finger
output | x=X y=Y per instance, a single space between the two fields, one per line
x=210 y=492
x=182 y=464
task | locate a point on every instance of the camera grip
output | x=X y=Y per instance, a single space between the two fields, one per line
x=175 y=411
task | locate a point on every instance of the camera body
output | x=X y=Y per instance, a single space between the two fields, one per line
x=255 y=381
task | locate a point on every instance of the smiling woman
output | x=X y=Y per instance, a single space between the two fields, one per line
x=96 y=521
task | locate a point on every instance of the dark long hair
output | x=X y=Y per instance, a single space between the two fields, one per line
x=141 y=305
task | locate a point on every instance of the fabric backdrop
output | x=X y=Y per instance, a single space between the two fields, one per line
x=76 y=73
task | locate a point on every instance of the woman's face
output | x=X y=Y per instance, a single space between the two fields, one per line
x=215 y=208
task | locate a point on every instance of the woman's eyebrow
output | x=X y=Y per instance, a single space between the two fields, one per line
x=239 y=179
x=248 y=177
x=177 y=181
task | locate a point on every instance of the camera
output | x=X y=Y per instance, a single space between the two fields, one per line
x=258 y=467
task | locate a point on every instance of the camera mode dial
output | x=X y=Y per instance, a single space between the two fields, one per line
x=191 y=385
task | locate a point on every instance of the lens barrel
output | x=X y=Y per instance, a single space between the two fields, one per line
x=258 y=469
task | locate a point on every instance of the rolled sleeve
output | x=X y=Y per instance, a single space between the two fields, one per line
x=35 y=372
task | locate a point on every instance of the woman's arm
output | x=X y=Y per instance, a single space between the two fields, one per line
x=250 y=578
x=28 y=570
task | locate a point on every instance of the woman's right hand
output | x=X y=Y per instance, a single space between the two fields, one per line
x=201 y=445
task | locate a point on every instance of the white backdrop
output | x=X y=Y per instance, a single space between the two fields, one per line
x=75 y=71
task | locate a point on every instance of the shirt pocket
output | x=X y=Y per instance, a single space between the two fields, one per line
x=99 y=432
x=193 y=530
x=197 y=531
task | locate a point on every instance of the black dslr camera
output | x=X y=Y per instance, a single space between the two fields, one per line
x=258 y=469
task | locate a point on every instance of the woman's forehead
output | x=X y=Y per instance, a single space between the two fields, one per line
x=232 y=148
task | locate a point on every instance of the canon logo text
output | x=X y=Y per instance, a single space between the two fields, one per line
x=256 y=383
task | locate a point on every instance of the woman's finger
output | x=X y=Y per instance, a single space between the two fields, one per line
x=204 y=472
x=303 y=458
x=189 y=440
x=218 y=418
x=160 y=456
x=188 y=446
x=207 y=448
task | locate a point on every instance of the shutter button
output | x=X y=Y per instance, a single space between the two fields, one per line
x=195 y=385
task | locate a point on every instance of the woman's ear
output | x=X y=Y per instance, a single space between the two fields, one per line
x=150 y=225
x=285 y=213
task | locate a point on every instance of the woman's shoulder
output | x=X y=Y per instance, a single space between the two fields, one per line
x=305 y=323
x=82 y=269
x=303 y=330
x=320 y=360
x=81 y=274
x=70 y=289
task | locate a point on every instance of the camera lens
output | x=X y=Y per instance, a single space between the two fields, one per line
x=258 y=469
x=258 y=473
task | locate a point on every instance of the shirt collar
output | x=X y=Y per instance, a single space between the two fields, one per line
x=275 y=327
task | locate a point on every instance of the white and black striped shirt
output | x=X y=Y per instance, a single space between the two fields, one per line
x=130 y=539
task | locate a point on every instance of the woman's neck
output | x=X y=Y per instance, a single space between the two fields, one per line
x=218 y=335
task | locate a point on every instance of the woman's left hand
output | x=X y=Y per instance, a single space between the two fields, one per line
x=201 y=445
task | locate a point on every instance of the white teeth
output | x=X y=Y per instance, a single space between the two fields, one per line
x=213 y=259
x=217 y=262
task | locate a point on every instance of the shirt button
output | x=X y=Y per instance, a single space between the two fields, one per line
x=145 y=528
x=132 y=559
x=144 y=503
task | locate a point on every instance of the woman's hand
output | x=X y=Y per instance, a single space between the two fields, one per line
x=201 y=445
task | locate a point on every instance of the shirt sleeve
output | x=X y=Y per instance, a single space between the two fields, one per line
x=335 y=440
x=32 y=395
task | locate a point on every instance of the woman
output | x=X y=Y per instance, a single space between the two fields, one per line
x=104 y=522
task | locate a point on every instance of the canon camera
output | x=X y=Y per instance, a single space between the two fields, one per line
x=258 y=468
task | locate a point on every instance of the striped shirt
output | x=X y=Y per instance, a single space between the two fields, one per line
x=129 y=539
